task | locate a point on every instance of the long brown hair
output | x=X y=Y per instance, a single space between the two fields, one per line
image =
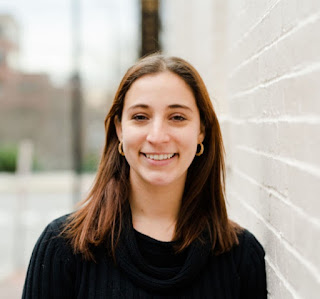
x=203 y=207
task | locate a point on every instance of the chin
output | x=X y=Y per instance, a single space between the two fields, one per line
x=159 y=181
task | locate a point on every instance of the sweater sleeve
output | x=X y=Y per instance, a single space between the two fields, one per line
x=252 y=268
x=50 y=271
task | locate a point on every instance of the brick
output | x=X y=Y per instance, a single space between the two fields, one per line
x=288 y=263
x=286 y=179
x=297 y=96
x=262 y=35
x=286 y=138
x=293 y=223
x=283 y=17
x=277 y=285
x=280 y=59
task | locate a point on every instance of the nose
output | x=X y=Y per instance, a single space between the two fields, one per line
x=158 y=132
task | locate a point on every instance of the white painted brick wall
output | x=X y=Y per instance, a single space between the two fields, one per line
x=261 y=62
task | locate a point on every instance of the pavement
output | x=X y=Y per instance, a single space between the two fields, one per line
x=27 y=205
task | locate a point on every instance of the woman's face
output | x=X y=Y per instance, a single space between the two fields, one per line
x=160 y=129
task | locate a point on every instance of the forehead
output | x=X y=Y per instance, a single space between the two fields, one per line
x=160 y=89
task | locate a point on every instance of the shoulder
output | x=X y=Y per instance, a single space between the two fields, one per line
x=54 y=228
x=249 y=252
x=51 y=240
x=51 y=269
x=57 y=225
x=249 y=260
x=249 y=243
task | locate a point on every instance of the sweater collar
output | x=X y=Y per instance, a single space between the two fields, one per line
x=152 y=278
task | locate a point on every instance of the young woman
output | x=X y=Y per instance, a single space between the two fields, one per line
x=155 y=224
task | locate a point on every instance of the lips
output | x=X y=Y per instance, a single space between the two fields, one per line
x=159 y=157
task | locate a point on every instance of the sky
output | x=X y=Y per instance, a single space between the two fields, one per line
x=109 y=38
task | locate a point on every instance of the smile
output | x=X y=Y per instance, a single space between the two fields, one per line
x=159 y=157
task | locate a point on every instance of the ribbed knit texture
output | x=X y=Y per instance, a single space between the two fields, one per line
x=55 y=272
x=159 y=254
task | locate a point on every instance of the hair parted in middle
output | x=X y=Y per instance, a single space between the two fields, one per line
x=203 y=207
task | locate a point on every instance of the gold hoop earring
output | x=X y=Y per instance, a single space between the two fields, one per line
x=120 y=148
x=201 y=150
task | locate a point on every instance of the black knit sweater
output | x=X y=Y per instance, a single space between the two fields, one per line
x=145 y=268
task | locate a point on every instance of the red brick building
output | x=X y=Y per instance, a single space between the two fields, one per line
x=30 y=106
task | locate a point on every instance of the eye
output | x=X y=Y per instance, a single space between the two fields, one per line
x=139 y=117
x=178 y=117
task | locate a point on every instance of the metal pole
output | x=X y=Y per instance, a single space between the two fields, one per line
x=24 y=169
x=77 y=102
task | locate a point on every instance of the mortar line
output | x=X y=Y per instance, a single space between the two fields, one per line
x=311 y=268
x=305 y=119
x=297 y=71
x=254 y=25
x=291 y=162
x=298 y=209
x=284 y=281
x=309 y=20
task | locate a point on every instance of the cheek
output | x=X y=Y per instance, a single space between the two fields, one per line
x=189 y=136
x=132 y=138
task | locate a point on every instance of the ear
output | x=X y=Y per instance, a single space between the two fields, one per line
x=117 y=124
x=202 y=133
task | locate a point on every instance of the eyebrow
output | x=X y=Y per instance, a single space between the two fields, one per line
x=138 y=106
x=173 y=106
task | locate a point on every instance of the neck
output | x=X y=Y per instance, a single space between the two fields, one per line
x=155 y=209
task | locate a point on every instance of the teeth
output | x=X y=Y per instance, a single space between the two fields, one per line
x=159 y=157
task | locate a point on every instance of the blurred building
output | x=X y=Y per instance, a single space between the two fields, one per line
x=8 y=44
x=30 y=106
